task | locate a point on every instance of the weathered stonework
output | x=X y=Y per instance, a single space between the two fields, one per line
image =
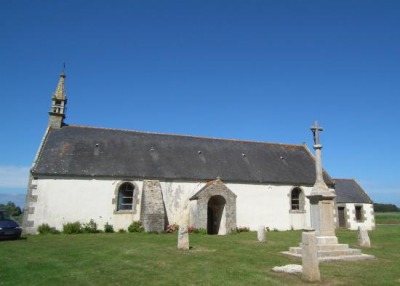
x=310 y=262
x=135 y=200
x=28 y=225
x=322 y=219
x=363 y=237
x=261 y=233
x=214 y=190
x=183 y=238
x=153 y=211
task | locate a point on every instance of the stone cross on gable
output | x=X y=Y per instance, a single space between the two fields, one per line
x=315 y=130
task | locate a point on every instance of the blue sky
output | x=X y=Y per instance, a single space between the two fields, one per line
x=255 y=70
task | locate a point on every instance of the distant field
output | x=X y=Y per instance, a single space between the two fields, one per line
x=153 y=259
x=387 y=218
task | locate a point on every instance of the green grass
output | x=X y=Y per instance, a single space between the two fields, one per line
x=153 y=259
x=387 y=218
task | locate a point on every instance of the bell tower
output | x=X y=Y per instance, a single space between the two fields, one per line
x=58 y=104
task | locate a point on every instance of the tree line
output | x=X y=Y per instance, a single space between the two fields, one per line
x=386 y=208
x=11 y=208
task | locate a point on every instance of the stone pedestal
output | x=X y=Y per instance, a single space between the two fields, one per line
x=328 y=247
x=309 y=259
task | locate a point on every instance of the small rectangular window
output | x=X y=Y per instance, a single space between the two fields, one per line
x=359 y=214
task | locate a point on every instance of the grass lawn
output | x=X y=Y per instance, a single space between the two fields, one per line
x=387 y=218
x=153 y=259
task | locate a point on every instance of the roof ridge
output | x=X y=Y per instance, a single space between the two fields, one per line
x=184 y=135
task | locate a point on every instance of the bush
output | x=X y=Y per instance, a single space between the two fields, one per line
x=200 y=231
x=46 y=229
x=193 y=229
x=172 y=228
x=72 y=228
x=242 y=229
x=135 y=226
x=108 y=228
x=121 y=230
x=90 y=227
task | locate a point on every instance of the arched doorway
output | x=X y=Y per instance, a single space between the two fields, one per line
x=215 y=213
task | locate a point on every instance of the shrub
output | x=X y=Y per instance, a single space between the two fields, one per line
x=45 y=229
x=135 y=226
x=153 y=232
x=108 y=228
x=121 y=230
x=242 y=229
x=72 y=227
x=90 y=227
x=200 y=231
x=172 y=228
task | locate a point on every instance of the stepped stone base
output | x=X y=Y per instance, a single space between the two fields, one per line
x=330 y=250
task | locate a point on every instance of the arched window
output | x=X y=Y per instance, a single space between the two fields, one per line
x=297 y=200
x=125 y=197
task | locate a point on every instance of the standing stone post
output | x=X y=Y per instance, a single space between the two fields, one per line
x=183 y=238
x=309 y=260
x=363 y=237
x=261 y=233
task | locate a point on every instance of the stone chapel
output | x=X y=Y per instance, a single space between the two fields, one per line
x=119 y=176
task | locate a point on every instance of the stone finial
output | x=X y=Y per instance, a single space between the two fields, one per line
x=60 y=90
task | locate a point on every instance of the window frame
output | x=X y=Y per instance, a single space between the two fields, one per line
x=359 y=213
x=296 y=203
x=123 y=187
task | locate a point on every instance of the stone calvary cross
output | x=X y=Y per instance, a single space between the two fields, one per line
x=322 y=207
x=315 y=130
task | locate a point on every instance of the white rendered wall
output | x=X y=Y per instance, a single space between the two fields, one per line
x=176 y=197
x=256 y=205
x=60 y=201
x=368 y=216
x=63 y=201
x=268 y=205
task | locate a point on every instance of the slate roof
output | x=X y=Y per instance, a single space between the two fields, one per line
x=98 y=152
x=349 y=191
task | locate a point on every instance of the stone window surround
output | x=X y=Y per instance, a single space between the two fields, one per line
x=301 y=201
x=135 y=200
x=362 y=213
x=346 y=214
